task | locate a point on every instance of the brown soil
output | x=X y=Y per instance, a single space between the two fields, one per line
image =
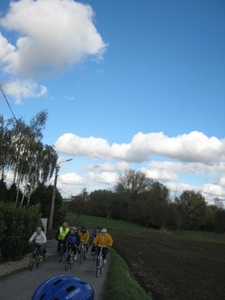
x=168 y=267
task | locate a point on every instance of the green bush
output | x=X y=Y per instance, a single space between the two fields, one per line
x=16 y=227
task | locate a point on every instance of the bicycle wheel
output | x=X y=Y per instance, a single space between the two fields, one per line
x=71 y=260
x=32 y=262
x=38 y=261
x=67 y=262
x=97 y=271
x=81 y=255
x=95 y=254
x=60 y=253
x=101 y=266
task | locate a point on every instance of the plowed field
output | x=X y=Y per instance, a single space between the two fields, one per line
x=172 y=268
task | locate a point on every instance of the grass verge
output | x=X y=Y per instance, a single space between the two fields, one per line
x=119 y=284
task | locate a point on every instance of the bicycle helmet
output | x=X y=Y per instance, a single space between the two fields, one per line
x=73 y=228
x=104 y=230
x=64 y=224
x=63 y=287
x=38 y=228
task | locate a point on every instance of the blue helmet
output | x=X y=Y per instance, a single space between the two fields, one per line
x=63 y=287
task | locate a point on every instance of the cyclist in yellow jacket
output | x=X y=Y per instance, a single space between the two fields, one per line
x=60 y=236
x=103 y=239
x=84 y=237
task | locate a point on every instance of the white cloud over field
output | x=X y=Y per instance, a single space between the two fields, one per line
x=52 y=36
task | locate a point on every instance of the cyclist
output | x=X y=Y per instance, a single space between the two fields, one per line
x=84 y=237
x=103 y=239
x=39 y=239
x=60 y=236
x=95 y=233
x=73 y=240
x=91 y=235
x=64 y=287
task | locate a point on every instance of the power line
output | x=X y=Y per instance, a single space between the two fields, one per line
x=1 y=89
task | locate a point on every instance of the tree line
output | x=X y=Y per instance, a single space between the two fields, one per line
x=138 y=199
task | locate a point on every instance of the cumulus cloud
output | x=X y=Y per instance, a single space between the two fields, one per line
x=53 y=35
x=109 y=167
x=192 y=147
x=104 y=177
x=192 y=154
x=24 y=89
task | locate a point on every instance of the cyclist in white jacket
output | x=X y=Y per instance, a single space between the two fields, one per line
x=40 y=240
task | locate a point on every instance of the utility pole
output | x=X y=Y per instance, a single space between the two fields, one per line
x=54 y=194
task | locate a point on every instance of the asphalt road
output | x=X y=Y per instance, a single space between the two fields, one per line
x=21 y=285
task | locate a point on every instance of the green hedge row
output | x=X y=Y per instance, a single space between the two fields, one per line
x=16 y=227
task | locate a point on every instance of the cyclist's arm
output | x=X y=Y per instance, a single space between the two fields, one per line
x=44 y=237
x=78 y=240
x=32 y=237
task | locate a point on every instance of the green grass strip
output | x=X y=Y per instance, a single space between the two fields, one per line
x=119 y=284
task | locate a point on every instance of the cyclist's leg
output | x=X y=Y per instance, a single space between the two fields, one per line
x=105 y=251
x=75 y=251
x=58 y=246
x=64 y=246
x=41 y=250
x=85 y=250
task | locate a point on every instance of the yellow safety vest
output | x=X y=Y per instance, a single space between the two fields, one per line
x=62 y=233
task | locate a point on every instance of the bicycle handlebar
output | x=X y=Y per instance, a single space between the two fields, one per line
x=101 y=246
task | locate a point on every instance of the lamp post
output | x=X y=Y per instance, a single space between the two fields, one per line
x=54 y=194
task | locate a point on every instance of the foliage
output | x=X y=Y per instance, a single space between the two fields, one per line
x=196 y=209
x=16 y=227
x=43 y=196
x=3 y=191
x=132 y=183
x=23 y=153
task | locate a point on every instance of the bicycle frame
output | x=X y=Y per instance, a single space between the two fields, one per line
x=34 y=259
x=82 y=252
x=99 y=263
x=60 y=252
x=69 y=259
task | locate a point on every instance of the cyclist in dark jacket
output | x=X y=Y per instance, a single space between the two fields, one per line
x=73 y=240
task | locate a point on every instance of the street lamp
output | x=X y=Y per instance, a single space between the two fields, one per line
x=57 y=167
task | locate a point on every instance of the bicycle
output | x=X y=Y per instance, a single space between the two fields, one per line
x=60 y=252
x=35 y=259
x=99 y=262
x=70 y=258
x=82 y=252
x=95 y=253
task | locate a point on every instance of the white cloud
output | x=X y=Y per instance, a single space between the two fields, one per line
x=53 y=35
x=105 y=177
x=192 y=147
x=222 y=181
x=24 y=89
x=161 y=174
x=188 y=155
x=5 y=47
x=117 y=167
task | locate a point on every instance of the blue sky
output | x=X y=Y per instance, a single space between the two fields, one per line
x=127 y=84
